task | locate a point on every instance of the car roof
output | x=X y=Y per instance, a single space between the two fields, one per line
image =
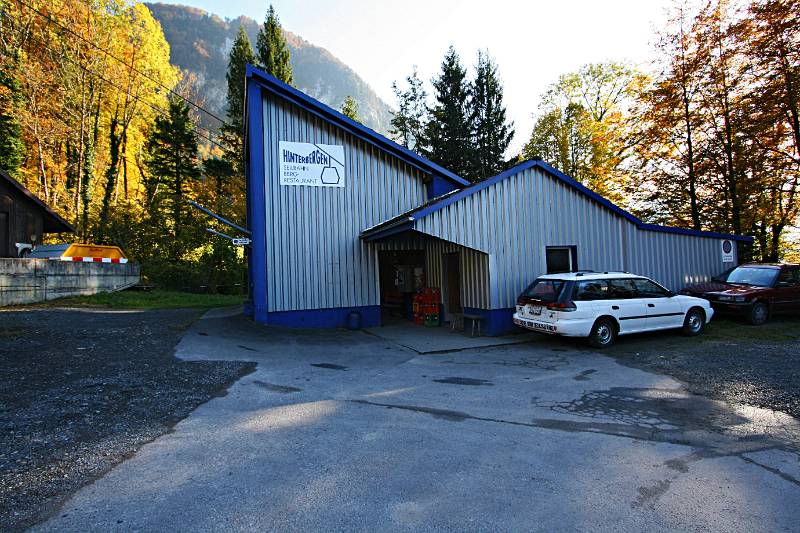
x=587 y=275
x=768 y=265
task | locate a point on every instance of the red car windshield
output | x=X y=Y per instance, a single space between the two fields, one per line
x=544 y=290
x=755 y=276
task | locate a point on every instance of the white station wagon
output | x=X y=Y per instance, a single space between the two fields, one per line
x=600 y=306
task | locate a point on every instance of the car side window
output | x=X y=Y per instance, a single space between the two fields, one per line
x=789 y=276
x=622 y=289
x=596 y=289
x=647 y=289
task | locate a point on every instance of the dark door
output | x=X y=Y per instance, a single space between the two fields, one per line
x=4 y=252
x=452 y=266
x=787 y=290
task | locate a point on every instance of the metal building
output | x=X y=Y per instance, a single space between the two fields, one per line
x=345 y=220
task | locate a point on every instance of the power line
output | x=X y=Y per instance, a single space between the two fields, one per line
x=154 y=107
x=157 y=82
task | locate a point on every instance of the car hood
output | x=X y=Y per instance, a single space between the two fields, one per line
x=708 y=286
x=740 y=290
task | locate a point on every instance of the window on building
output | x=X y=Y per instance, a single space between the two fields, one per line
x=561 y=259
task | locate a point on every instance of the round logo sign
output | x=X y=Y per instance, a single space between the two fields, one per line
x=727 y=246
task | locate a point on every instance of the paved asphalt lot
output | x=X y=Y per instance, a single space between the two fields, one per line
x=346 y=431
x=81 y=390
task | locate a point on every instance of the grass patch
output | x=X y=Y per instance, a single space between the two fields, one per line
x=155 y=299
x=778 y=329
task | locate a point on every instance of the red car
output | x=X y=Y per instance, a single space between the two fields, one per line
x=754 y=291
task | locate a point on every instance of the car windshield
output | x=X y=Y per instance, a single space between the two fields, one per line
x=755 y=276
x=545 y=290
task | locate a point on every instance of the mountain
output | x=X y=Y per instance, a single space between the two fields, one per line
x=200 y=42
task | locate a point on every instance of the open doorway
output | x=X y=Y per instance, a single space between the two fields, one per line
x=452 y=272
x=402 y=273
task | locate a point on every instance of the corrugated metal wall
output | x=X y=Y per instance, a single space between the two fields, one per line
x=315 y=257
x=474 y=266
x=515 y=219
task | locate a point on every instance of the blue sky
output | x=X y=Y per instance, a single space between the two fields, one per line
x=533 y=42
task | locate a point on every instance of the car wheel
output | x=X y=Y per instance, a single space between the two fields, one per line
x=604 y=333
x=694 y=323
x=759 y=313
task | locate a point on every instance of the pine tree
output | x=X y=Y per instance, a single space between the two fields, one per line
x=408 y=122
x=12 y=147
x=172 y=165
x=273 y=52
x=492 y=134
x=448 y=133
x=233 y=132
x=350 y=108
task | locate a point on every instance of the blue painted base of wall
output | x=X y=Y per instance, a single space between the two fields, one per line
x=321 y=318
x=248 y=308
x=495 y=321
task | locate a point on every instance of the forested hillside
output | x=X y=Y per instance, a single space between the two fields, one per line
x=200 y=42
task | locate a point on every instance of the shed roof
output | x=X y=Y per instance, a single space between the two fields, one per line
x=282 y=90
x=53 y=222
x=406 y=220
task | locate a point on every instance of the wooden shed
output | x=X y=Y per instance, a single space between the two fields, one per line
x=24 y=218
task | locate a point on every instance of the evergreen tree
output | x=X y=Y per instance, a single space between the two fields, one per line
x=172 y=165
x=273 y=52
x=448 y=132
x=233 y=132
x=350 y=108
x=492 y=134
x=408 y=122
x=12 y=147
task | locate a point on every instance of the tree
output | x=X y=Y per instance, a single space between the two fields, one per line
x=12 y=147
x=350 y=108
x=671 y=108
x=585 y=118
x=408 y=122
x=172 y=166
x=491 y=133
x=449 y=131
x=233 y=131
x=273 y=52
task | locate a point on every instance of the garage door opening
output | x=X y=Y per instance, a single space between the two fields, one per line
x=402 y=273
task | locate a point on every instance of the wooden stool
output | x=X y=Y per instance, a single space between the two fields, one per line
x=476 y=319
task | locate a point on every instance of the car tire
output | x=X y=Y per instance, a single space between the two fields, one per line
x=604 y=333
x=694 y=323
x=759 y=313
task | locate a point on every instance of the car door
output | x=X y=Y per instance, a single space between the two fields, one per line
x=663 y=310
x=786 y=294
x=630 y=311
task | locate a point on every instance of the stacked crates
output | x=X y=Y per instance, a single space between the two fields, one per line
x=426 y=307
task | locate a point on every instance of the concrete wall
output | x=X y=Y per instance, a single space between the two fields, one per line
x=24 y=281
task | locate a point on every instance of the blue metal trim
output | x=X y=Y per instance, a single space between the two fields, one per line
x=495 y=321
x=324 y=318
x=257 y=202
x=439 y=186
x=277 y=87
x=392 y=230
x=580 y=188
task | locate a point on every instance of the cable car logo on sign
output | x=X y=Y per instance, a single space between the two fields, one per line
x=727 y=251
x=313 y=165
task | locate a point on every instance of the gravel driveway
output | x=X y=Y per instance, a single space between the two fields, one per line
x=733 y=361
x=81 y=390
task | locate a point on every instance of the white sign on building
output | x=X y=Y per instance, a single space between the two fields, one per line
x=314 y=165
x=727 y=251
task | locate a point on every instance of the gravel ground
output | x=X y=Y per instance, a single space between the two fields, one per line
x=83 y=389
x=735 y=362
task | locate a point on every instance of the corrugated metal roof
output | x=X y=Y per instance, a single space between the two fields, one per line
x=406 y=220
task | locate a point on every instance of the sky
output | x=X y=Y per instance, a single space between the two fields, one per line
x=533 y=42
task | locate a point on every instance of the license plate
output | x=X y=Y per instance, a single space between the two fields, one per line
x=535 y=310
